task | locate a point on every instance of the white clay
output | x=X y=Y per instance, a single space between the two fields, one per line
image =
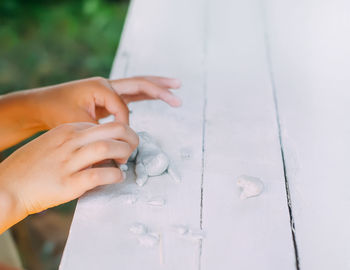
x=123 y=167
x=250 y=186
x=185 y=154
x=155 y=163
x=156 y=201
x=181 y=229
x=191 y=234
x=150 y=159
x=141 y=174
x=138 y=228
x=128 y=198
x=133 y=155
x=196 y=235
x=149 y=240
x=108 y=119
x=173 y=173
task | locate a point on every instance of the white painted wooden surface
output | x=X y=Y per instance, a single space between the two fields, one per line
x=310 y=55
x=257 y=75
x=242 y=138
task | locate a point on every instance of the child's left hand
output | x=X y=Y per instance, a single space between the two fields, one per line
x=91 y=99
x=25 y=113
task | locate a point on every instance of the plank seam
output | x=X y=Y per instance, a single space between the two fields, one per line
x=278 y=122
x=204 y=121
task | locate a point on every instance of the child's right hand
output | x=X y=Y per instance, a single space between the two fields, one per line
x=56 y=167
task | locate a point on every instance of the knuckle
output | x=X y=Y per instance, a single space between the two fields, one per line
x=66 y=128
x=124 y=153
x=66 y=132
x=128 y=150
x=101 y=148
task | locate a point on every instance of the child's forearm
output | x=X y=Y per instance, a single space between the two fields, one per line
x=19 y=117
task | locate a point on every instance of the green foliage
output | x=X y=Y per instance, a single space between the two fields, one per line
x=47 y=42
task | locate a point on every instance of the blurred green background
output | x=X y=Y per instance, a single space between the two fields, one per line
x=44 y=42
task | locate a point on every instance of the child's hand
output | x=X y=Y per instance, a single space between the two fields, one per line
x=56 y=167
x=25 y=113
x=145 y=88
x=91 y=99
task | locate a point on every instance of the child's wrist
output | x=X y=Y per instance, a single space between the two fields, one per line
x=11 y=210
x=33 y=103
x=23 y=110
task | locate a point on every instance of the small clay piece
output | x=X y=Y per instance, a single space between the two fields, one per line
x=250 y=186
x=174 y=174
x=128 y=198
x=156 y=201
x=151 y=160
x=138 y=228
x=149 y=240
x=123 y=167
x=185 y=154
x=181 y=229
x=133 y=155
x=196 y=235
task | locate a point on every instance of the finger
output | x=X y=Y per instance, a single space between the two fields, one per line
x=98 y=151
x=143 y=86
x=113 y=103
x=112 y=130
x=165 y=82
x=170 y=98
x=133 y=98
x=90 y=178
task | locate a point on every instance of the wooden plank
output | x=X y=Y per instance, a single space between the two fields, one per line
x=161 y=38
x=310 y=56
x=242 y=138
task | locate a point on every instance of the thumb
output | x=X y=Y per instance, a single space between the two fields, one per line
x=83 y=116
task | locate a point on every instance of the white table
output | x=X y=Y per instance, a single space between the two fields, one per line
x=266 y=92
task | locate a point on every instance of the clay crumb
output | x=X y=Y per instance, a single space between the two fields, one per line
x=128 y=198
x=156 y=201
x=123 y=167
x=181 y=229
x=196 y=235
x=138 y=228
x=174 y=174
x=149 y=240
x=250 y=186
